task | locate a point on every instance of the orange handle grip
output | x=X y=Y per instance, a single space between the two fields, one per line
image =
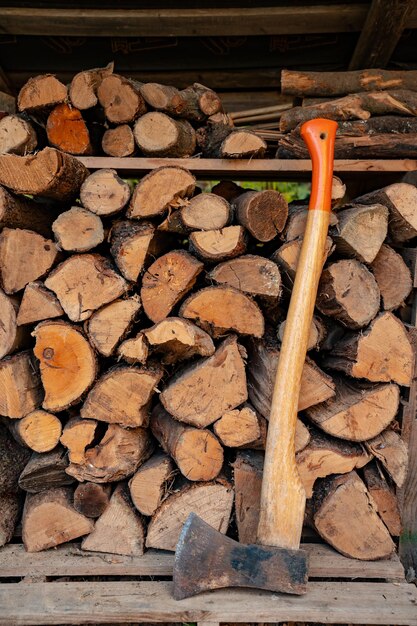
x=319 y=136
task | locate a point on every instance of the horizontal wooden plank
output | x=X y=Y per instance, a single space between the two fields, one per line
x=70 y=560
x=118 y=602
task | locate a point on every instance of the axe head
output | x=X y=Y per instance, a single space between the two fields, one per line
x=206 y=559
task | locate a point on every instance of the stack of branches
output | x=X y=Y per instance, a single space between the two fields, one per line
x=139 y=342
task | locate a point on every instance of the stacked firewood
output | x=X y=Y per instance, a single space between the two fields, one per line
x=139 y=340
x=101 y=112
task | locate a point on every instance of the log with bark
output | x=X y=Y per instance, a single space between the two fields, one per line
x=104 y=193
x=158 y=135
x=392 y=276
x=17 y=136
x=219 y=245
x=67 y=131
x=162 y=189
x=121 y=99
x=78 y=230
x=91 y=499
x=45 y=471
x=262 y=213
x=150 y=483
x=83 y=88
x=40 y=93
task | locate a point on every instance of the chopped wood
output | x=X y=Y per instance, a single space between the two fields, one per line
x=247 y=472
x=325 y=456
x=177 y=339
x=163 y=98
x=20 y=384
x=7 y=102
x=166 y=281
x=110 y=324
x=346 y=517
x=392 y=452
x=356 y=413
x=84 y=85
x=158 y=135
x=318 y=333
x=302 y=436
x=219 y=245
x=242 y=144
x=67 y=130
x=207 y=211
x=224 y=370
x=135 y=350
x=288 y=254
x=252 y=274
x=297 y=220
x=20 y=212
x=50 y=519
x=381 y=125
x=91 y=499
x=263 y=213
x=39 y=430
x=77 y=436
x=49 y=173
x=348 y=292
x=212 y=502
x=118 y=455
x=17 y=136
x=11 y=336
x=149 y=484
x=37 y=304
x=223 y=309
x=238 y=427
x=196 y=451
x=24 y=257
x=384 y=498
x=119 y=530
x=381 y=353
x=45 y=471
x=392 y=276
x=100 y=285
x=104 y=192
x=78 y=230
x=173 y=223
x=199 y=102
x=119 y=141
x=360 y=231
x=67 y=363
x=41 y=92
x=121 y=99
x=227 y=190
x=338 y=191
x=162 y=189
x=133 y=244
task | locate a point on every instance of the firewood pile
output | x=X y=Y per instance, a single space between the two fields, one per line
x=139 y=340
x=103 y=113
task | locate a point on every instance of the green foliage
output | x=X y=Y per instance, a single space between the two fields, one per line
x=290 y=191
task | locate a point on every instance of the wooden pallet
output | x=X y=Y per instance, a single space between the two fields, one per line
x=361 y=592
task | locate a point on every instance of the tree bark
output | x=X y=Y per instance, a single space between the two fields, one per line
x=45 y=471
x=91 y=499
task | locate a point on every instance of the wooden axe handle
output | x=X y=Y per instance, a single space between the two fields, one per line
x=283 y=496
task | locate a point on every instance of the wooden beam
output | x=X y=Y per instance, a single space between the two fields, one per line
x=381 y=32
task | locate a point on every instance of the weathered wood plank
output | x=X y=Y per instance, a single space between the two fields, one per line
x=118 y=602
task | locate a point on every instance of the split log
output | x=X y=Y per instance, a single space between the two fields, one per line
x=121 y=99
x=239 y=427
x=45 y=471
x=122 y=396
x=110 y=324
x=7 y=102
x=67 y=130
x=346 y=517
x=148 y=486
x=228 y=190
x=263 y=213
x=224 y=370
x=48 y=173
x=24 y=257
x=38 y=303
x=177 y=339
x=288 y=254
x=135 y=350
x=360 y=231
x=77 y=436
x=392 y=276
x=20 y=212
x=242 y=144
x=160 y=190
x=78 y=230
x=11 y=336
x=67 y=363
x=163 y=98
x=91 y=499
x=247 y=471
x=119 y=141
x=349 y=293
x=207 y=211
x=84 y=85
x=173 y=223
x=325 y=456
x=39 y=430
x=50 y=519
x=219 y=310
x=392 y=452
x=219 y=245
x=40 y=93
x=252 y=274
x=212 y=502
x=20 y=382
x=118 y=455
x=196 y=451
x=104 y=193
x=166 y=281
x=297 y=219
x=119 y=530
x=318 y=333
x=356 y=413
x=158 y=135
x=100 y=285
x=17 y=136
x=384 y=498
x=316 y=386
x=382 y=353
x=200 y=102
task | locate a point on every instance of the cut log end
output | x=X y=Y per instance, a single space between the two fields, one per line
x=219 y=245
x=104 y=192
x=160 y=190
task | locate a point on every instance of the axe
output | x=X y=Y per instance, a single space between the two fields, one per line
x=206 y=559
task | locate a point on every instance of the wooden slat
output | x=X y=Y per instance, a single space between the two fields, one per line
x=69 y=560
x=118 y=602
